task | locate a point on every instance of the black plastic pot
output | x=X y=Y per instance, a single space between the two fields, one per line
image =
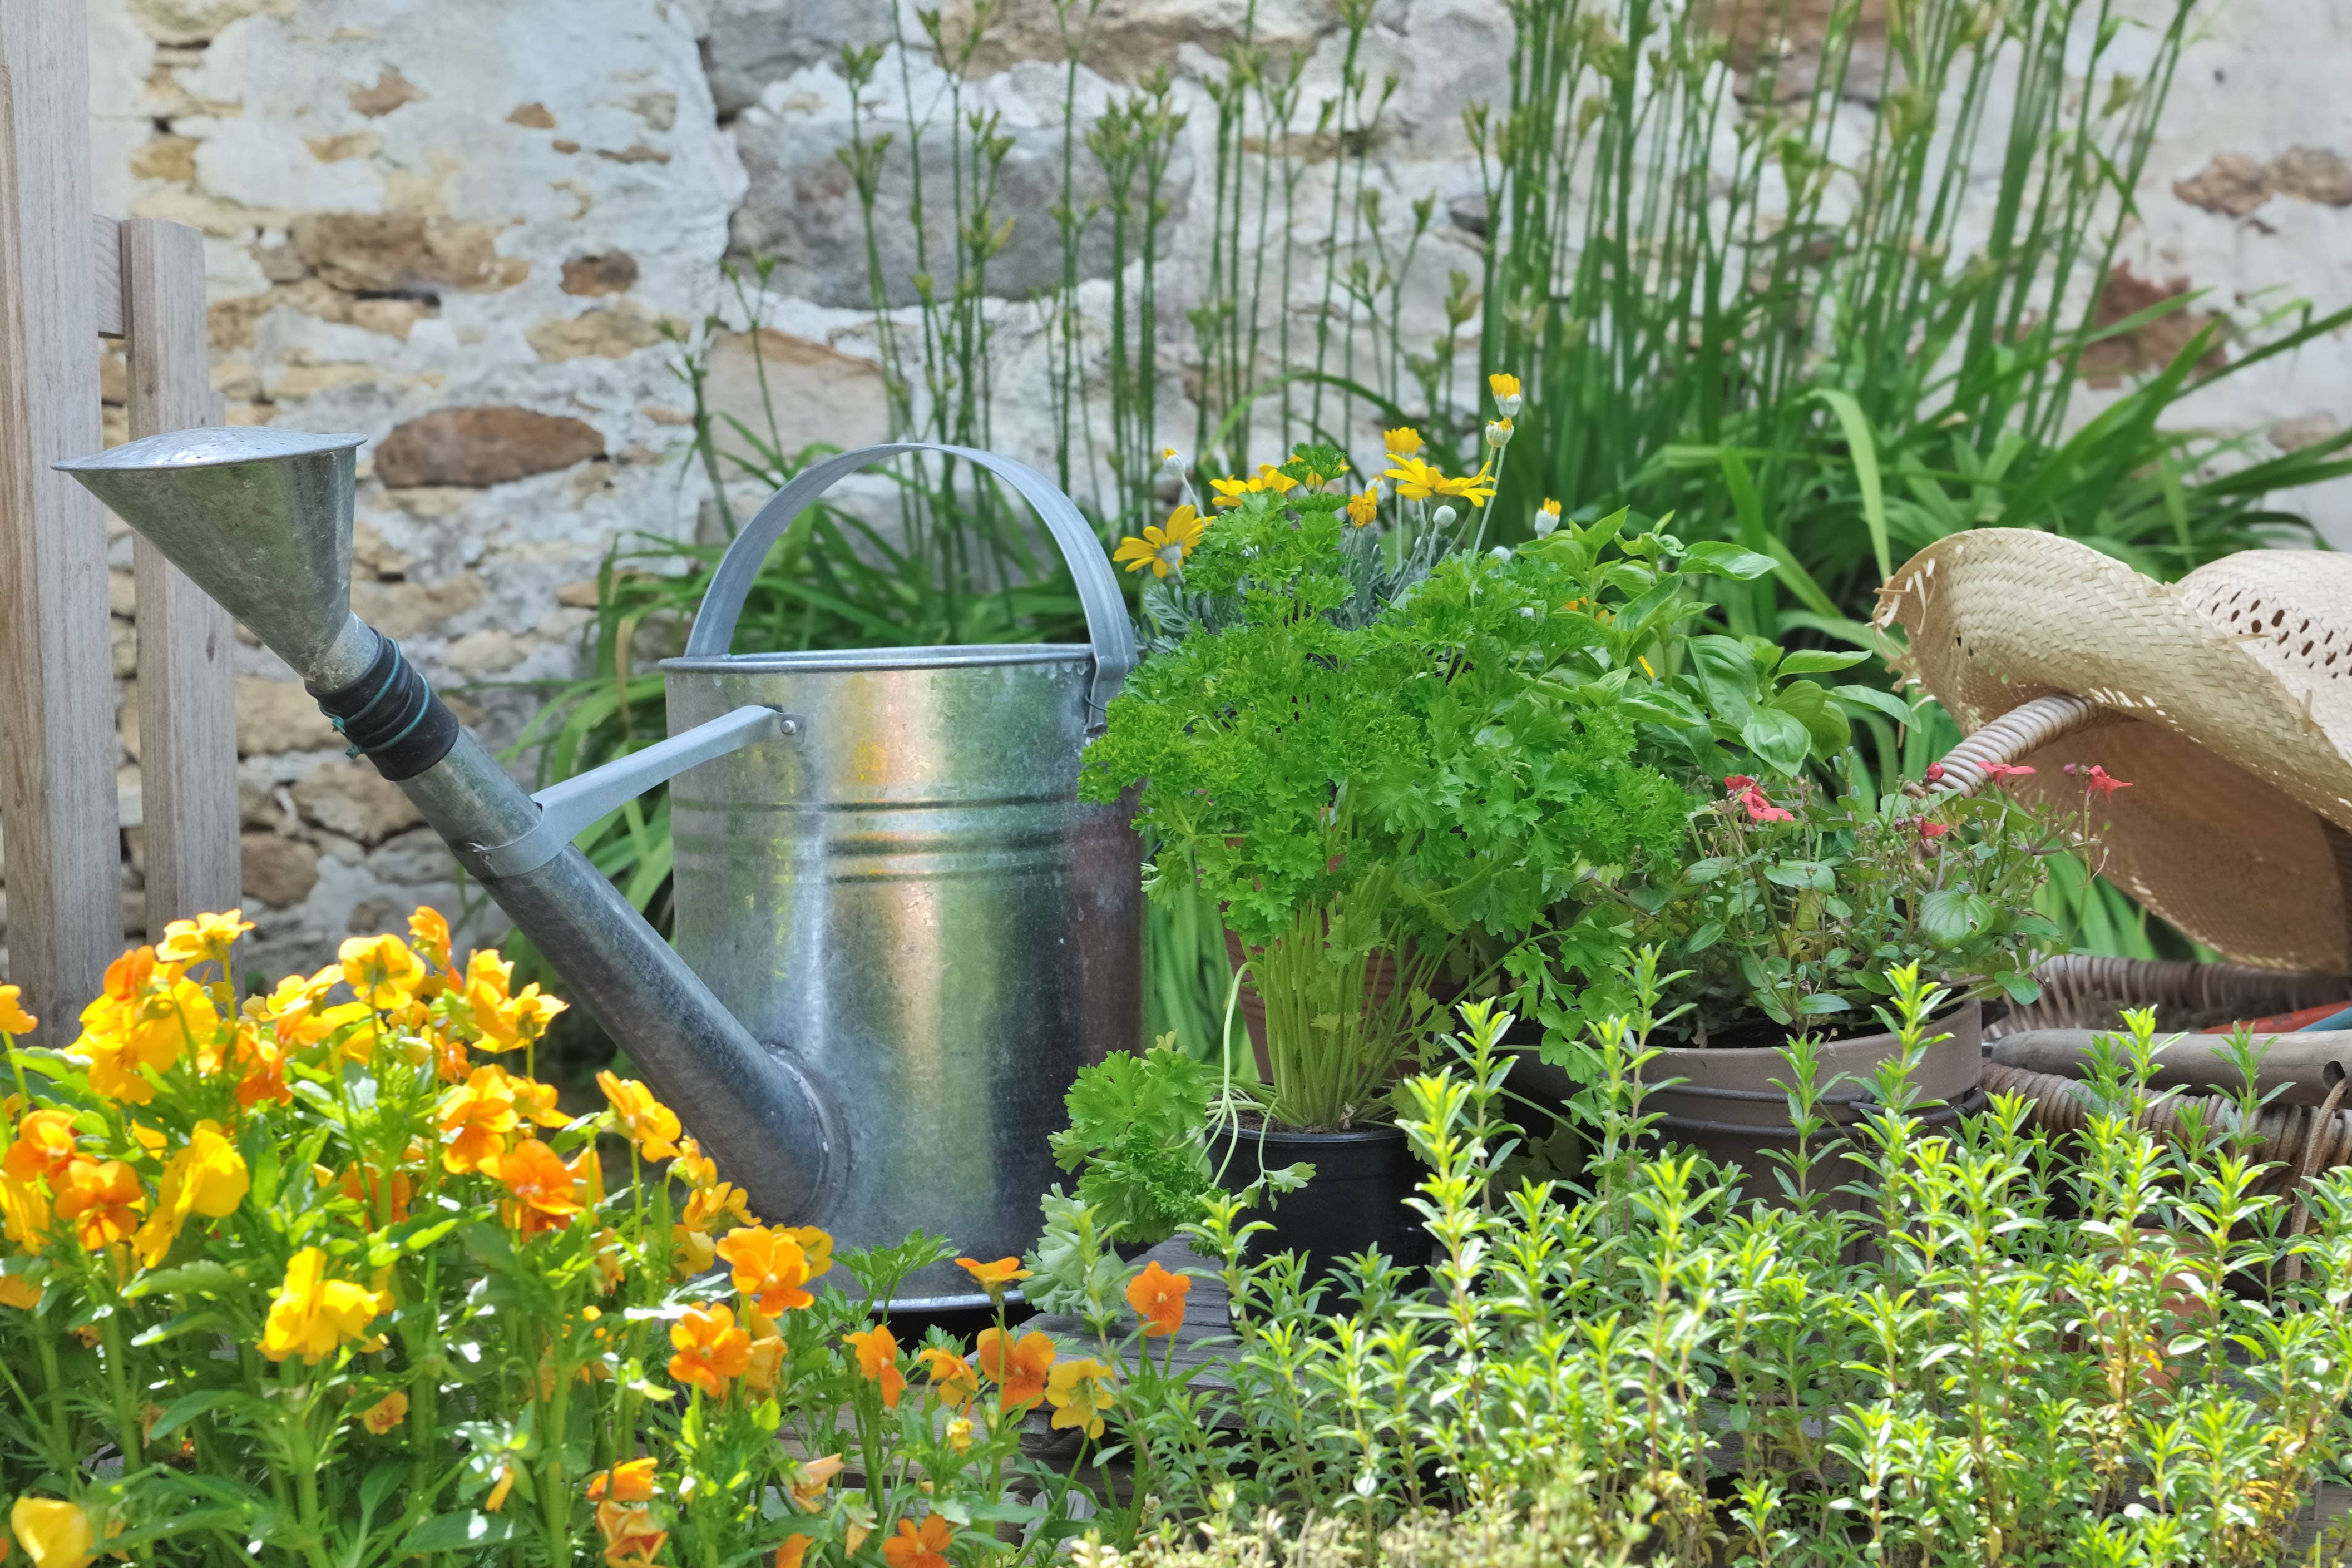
x=1357 y=1198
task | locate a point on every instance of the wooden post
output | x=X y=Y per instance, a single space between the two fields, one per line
x=187 y=704
x=57 y=666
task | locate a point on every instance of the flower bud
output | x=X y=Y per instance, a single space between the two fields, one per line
x=1498 y=435
x=1444 y=516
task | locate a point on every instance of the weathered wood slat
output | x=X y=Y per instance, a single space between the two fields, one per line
x=187 y=702
x=106 y=276
x=56 y=665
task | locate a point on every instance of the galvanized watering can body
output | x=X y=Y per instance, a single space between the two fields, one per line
x=911 y=900
x=898 y=935
x=914 y=902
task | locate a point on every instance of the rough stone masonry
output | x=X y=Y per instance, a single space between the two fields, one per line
x=461 y=227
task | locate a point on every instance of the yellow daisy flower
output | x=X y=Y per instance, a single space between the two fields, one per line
x=1164 y=549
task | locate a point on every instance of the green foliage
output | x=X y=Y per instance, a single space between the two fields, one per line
x=2047 y=1348
x=1798 y=920
x=1138 y=1126
x=1445 y=769
x=1834 y=358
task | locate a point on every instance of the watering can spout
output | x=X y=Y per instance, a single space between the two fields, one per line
x=261 y=520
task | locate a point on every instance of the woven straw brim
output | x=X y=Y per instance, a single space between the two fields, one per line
x=2234 y=742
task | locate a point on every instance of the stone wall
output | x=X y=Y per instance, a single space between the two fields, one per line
x=462 y=228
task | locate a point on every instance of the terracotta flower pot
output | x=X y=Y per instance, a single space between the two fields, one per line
x=1729 y=1104
x=1380 y=982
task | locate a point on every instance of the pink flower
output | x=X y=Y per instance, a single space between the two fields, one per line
x=2001 y=772
x=2098 y=780
x=1749 y=793
x=1934 y=773
x=1933 y=830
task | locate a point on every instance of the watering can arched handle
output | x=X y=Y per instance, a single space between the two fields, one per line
x=1107 y=627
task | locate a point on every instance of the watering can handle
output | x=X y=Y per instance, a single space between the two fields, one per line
x=1107 y=627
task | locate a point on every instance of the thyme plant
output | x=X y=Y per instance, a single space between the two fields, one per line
x=1983 y=1347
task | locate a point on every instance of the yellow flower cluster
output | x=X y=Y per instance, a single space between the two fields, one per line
x=346 y=1177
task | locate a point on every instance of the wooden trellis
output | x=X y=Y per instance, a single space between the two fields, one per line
x=66 y=280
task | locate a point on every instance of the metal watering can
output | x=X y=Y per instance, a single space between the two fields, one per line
x=898 y=933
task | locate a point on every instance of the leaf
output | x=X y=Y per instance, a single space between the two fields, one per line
x=187 y=1408
x=1817 y=662
x=1289 y=1177
x=2021 y=988
x=378 y=1484
x=185 y=1322
x=204 y=1277
x=1822 y=1002
x=1864 y=450
x=1825 y=723
x=453 y=1531
x=1779 y=738
x=1887 y=702
x=1950 y=916
x=1725 y=561
x=1727 y=673
x=1706 y=870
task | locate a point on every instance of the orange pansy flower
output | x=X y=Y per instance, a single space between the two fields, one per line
x=1157 y=1298
x=1019 y=1367
x=770 y=1267
x=878 y=1359
x=710 y=1349
x=542 y=1184
x=102 y=1200
x=953 y=1378
x=918 y=1546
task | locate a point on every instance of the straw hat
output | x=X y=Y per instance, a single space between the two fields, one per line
x=2224 y=699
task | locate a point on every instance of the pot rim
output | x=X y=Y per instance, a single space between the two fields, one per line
x=1373 y=1132
x=959 y=656
x=1953 y=1021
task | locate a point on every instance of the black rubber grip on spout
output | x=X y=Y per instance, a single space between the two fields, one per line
x=391 y=716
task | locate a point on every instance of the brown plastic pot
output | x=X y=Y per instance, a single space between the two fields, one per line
x=1729 y=1102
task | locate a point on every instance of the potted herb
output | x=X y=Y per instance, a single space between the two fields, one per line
x=1788 y=920
x=1790 y=903
x=1407 y=789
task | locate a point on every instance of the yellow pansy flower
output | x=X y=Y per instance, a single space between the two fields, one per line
x=207 y=1177
x=1079 y=1391
x=56 y=1533
x=384 y=970
x=312 y=1314
x=644 y=1121
x=206 y=937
